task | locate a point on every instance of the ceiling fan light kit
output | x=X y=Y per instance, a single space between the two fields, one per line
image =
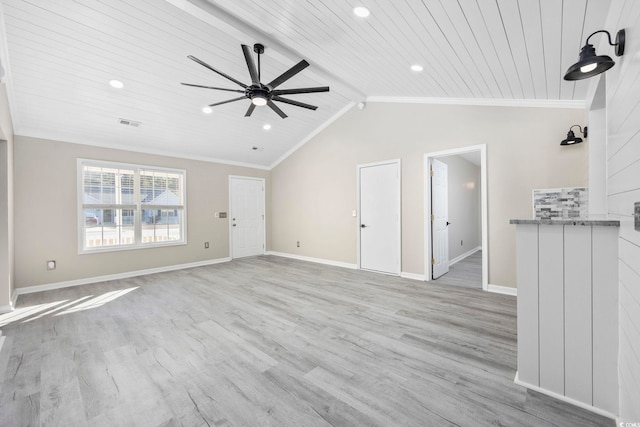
x=262 y=94
x=590 y=64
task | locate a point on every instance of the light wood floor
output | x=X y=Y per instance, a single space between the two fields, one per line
x=268 y=341
x=466 y=273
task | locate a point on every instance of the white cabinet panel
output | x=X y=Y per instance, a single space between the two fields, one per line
x=551 y=308
x=577 y=313
x=568 y=310
x=605 y=318
x=527 y=276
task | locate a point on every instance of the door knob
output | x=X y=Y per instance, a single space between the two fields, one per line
x=363 y=226
x=448 y=223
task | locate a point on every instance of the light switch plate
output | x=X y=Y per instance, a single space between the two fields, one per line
x=636 y=216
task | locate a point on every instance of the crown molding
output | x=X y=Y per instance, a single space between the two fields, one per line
x=542 y=103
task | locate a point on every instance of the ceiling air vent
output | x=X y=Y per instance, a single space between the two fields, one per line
x=128 y=122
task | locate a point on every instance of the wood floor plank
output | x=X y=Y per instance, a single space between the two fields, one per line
x=268 y=341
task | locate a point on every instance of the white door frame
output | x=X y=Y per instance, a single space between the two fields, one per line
x=359 y=216
x=264 y=220
x=483 y=201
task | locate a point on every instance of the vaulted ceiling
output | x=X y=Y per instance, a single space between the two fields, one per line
x=59 y=57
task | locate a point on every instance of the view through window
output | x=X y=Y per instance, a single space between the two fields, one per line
x=126 y=206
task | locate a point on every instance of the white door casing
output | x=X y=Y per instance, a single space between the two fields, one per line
x=246 y=216
x=428 y=238
x=440 y=218
x=379 y=206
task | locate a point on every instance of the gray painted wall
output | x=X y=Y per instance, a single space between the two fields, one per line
x=314 y=191
x=46 y=200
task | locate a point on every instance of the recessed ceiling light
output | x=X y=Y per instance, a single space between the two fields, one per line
x=266 y=126
x=207 y=110
x=416 y=68
x=116 y=84
x=361 y=11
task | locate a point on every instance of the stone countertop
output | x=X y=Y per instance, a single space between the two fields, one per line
x=582 y=222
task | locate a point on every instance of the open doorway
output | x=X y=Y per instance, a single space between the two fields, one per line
x=465 y=238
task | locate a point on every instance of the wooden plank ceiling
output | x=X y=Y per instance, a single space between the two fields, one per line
x=60 y=55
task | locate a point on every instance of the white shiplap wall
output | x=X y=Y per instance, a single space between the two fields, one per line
x=623 y=189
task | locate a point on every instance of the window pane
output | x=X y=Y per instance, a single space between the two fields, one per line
x=161 y=225
x=160 y=188
x=126 y=188
x=108 y=227
x=107 y=185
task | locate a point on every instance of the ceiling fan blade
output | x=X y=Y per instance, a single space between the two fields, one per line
x=288 y=74
x=250 y=110
x=204 y=64
x=253 y=71
x=228 y=100
x=301 y=90
x=296 y=103
x=275 y=108
x=211 y=87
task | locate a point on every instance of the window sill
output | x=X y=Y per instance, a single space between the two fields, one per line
x=131 y=247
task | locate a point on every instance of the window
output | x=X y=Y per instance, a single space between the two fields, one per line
x=125 y=206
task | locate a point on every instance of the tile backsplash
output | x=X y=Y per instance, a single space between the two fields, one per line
x=561 y=203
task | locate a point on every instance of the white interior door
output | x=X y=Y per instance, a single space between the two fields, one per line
x=440 y=218
x=380 y=217
x=246 y=216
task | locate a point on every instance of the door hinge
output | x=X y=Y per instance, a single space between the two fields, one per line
x=433 y=217
x=432 y=173
x=433 y=261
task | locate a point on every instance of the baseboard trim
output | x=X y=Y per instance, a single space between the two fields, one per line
x=464 y=255
x=117 y=276
x=497 y=289
x=8 y=308
x=565 y=399
x=412 y=276
x=316 y=260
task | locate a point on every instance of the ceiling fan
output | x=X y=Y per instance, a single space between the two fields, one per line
x=262 y=94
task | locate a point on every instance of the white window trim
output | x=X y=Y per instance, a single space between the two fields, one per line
x=80 y=226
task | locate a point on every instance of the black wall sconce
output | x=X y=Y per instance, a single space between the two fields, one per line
x=572 y=138
x=591 y=64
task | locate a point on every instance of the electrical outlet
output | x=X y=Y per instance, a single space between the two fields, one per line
x=298 y=243
x=206 y=245
x=51 y=265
